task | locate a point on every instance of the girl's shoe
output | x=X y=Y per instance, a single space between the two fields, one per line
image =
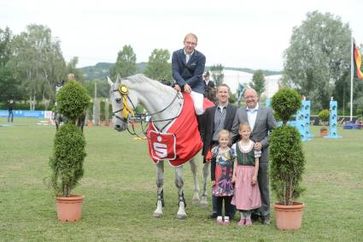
x=219 y=220
x=241 y=222
x=226 y=220
x=248 y=222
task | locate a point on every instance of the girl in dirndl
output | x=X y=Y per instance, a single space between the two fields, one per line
x=247 y=195
x=221 y=175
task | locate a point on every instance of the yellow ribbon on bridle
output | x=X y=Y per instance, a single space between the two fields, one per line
x=126 y=110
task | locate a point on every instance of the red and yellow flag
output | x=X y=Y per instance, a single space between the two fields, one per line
x=358 y=62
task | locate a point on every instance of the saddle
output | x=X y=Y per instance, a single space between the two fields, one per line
x=179 y=143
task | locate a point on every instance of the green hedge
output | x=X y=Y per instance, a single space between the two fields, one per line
x=72 y=100
x=67 y=160
x=286 y=102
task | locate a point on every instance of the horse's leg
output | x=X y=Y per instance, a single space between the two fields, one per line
x=193 y=168
x=204 y=199
x=159 y=184
x=179 y=183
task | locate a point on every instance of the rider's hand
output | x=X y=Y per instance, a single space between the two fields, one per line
x=177 y=87
x=187 y=88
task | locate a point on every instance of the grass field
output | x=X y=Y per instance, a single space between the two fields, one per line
x=119 y=188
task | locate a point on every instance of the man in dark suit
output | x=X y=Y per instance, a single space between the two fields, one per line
x=216 y=118
x=210 y=88
x=187 y=69
x=261 y=121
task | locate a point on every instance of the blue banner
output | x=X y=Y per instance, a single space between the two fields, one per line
x=25 y=114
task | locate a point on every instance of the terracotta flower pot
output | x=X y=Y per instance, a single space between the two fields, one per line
x=323 y=132
x=69 y=209
x=289 y=217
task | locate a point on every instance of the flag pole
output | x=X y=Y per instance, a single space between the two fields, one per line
x=351 y=79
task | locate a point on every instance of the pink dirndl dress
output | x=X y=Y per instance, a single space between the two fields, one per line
x=246 y=196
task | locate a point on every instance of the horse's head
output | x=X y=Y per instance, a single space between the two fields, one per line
x=122 y=104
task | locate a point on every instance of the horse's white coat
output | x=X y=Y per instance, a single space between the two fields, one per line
x=155 y=97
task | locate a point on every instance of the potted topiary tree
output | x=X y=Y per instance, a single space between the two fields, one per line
x=68 y=155
x=287 y=161
x=324 y=118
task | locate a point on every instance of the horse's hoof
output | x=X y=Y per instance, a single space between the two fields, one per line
x=195 y=199
x=181 y=216
x=195 y=202
x=158 y=212
x=157 y=215
x=204 y=202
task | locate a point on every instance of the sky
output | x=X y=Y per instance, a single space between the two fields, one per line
x=235 y=33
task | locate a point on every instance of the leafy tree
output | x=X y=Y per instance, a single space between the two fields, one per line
x=217 y=73
x=102 y=88
x=38 y=62
x=125 y=63
x=359 y=104
x=5 y=51
x=158 y=67
x=258 y=82
x=8 y=84
x=318 y=58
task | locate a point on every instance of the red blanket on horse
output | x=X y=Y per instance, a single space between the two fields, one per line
x=180 y=142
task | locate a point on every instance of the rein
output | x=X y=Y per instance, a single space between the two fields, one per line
x=126 y=111
x=168 y=119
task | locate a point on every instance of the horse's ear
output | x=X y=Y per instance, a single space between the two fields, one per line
x=109 y=81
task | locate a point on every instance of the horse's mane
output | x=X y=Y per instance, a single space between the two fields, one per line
x=140 y=79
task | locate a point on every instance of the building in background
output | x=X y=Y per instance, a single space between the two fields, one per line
x=232 y=78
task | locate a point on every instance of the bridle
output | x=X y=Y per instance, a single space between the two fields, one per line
x=125 y=108
x=127 y=111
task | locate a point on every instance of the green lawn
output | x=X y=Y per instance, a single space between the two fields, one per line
x=119 y=188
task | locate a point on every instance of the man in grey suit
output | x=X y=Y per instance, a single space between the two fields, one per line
x=261 y=121
x=216 y=118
